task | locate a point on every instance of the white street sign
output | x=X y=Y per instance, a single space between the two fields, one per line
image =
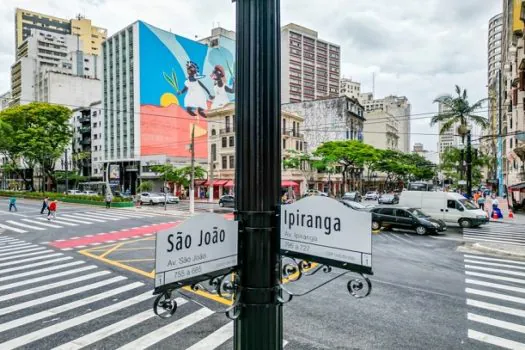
x=201 y=245
x=323 y=227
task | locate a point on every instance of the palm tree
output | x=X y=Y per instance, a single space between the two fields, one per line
x=458 y=110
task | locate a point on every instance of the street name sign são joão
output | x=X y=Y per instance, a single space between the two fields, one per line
x=324 y=230
x=195 y=250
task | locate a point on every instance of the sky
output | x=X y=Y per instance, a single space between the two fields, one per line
x=419 y=49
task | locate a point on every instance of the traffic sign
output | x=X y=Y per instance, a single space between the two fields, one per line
x=322 y=229
x=195 y=250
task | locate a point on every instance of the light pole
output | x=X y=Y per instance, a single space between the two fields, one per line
x=469 y=164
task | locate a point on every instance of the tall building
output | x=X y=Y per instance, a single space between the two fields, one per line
x=349 y=88
x=398 y=107
x=494 y=46
x=157 y=89
x=381 y=130
x=310 y=67
x=91 y=36
x=449 y=138
x=5 y=100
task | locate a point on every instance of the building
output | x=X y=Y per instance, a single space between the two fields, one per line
x=310 y=67
x=217 y=35
x=397 y=106
x=381 y=130
x=150 y=105
x=5 y=100
x=349 y=88
x=91 y=36
x=494 y=46
x=329 y=119
x=428 y=155
x=448 y=138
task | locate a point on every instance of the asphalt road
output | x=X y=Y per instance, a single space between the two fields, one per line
x=88 y=282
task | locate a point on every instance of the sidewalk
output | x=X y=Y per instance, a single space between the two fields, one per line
x=499 y=248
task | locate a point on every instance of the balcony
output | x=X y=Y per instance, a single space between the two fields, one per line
x=85 y=142
x=85 y=129
x=226 y=131
x=84 y=118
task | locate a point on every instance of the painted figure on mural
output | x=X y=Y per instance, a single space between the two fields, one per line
x=220 y=88
x=196 y=99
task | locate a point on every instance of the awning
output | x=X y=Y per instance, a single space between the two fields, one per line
x=217 y=182
x=286 y=183
x=229 y=184
x=199 y=182
x=517 y=187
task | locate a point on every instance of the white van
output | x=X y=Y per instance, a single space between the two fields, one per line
x=447 y=206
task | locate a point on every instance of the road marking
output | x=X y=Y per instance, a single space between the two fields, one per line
x=134 y=260
x=507 y=272
x=19 y=250
x=495 y=295
x=495 y=277
x=7 y=240
x=162 y=333
x=108 y=216
x=91 y=217
x=491 y=240
x=509 y=237
x=53 y=285
x=59 y=327
x=493 y=264
x=214 y=340
x=495 y=285
x=492 y=339
x=73 y=219
x=496 y=323
x=36 y=272
x=107 y=252
x=41 y=223
x=402 y=239
x=497 y=308
x=35 y=258
x=61 y=222
x=4 y=256
x=117 y=264
x=12 y=228
x=83 y=217
x=47 y=262
x=46 y=277
x=494 y=259
x=114 y=328
x=66 y=307
x=16 y=246
x=58 y=296
x=24 y=225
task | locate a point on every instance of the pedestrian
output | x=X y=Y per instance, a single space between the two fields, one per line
x=45 y=204
x=481 y=202
x=109 y=198
x=12 y=203
x=52 y=210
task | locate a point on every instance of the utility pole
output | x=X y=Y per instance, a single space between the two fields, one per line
x=67 y=180
x=499 y=152
x=210 y=197
x=469 y=165
x=192 y=175
x=258 y=173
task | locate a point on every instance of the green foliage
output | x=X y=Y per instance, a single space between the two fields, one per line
x=58 y=196
x=350 y=153
x=145 y=186
x=180 y=176
x=451 y=164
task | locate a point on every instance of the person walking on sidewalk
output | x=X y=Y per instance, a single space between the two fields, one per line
x=12 y=203
x=109 y=198
x=45 y=205
x=481 y=202
x=52 y=210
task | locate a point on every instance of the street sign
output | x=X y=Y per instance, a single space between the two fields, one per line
x=324 y=230
x=195 y=250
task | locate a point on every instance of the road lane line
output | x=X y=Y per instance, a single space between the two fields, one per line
x=492 y=339
x=488 y=263
x=495 y=285
x=59 y=284
x=36 y=272
x=496 y=323
x=41 y=223
x=67 y=307
x=509 y=238
x=403 y=239
x=21 y=254
x=62 y=326
x=24 y=225
x=62 y=219
x=495 y=295
x=10 y=228
x=109 y=216
x=506 y=272
x=38 y=264
x=7 y=240
x=98 y=217
x=17 y=246
x=58 y=296
x=497 y=308
x=495 y=240
x=83 y=217
x=46 y=277
x=494 y=259
x=21 y=250
x=61 y=222
x=164 y=332
x=214 y=340
x=114 y=328
x=495 y=277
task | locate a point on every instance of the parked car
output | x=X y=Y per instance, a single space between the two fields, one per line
x=356 y=205
x=89 y=193
x=389 y=199
x=371 y=195
x=173 y=199
x=151 y=198
x=406 y=218
x=352 y=196
x=74 y=192
x=315 y=193
x=227 y=201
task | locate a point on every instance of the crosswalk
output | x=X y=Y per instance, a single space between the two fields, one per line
x=49 y=300
x=495 y=289
x=496 y=233
x=72 y=219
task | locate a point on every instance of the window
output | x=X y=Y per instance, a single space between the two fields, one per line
x=224 y=142
x=213 y=152
x=297 y=145
x=387 y=211
x=213 y=132
x=224 y=162
x=284 y=143
x=232 y=162
x=451 y=204
x=402 y=213
x=232 y=142
x=227 y=122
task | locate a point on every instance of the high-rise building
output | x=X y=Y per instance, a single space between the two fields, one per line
x=494 y=46
x=448 y=138
x=349 y=88
x=310 y=67
x=91 y=36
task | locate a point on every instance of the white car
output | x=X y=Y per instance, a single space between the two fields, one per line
x=371 y=195
x=151 y=198
x=89 y=193
x=74 y=192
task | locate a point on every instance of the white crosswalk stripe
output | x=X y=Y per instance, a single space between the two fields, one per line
x=495 y=297
x=14 y=229
x=496 y=233
x=50 y=298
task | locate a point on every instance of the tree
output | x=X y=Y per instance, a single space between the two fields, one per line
x=458 y=110
x=145 y=186
x=180 y=176
x=38 y=133
x=451 y=164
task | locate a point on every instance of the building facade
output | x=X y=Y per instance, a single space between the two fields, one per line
x=329 y=119
x=349 y=88
x=448 y=138
x=5 y=100
x=381 y=130
x=310 y=67
x=494 y=46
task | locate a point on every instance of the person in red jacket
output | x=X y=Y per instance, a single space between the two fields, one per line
x=52 y=210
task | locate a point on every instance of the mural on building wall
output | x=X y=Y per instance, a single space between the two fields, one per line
x=180 y=80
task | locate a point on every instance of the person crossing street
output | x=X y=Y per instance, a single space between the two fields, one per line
x=52 y=210
x=45 y=205
x=12 y=203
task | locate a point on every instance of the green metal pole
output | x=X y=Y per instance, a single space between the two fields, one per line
x=258 y=173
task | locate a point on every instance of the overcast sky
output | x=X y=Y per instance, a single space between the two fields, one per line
x=416 y=48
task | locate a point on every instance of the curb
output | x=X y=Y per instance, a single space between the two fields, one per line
x=480 y=247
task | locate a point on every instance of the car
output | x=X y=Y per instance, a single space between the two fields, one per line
x=123 y=195
x=407 y=219
x=356 y=206
x=151 y=198
x=227 y=201
x=352 y=196
x=74 y=192
x=173 y=199
x=89 y=193
x=315 y=193
x=371 y=195
x=388 y=199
